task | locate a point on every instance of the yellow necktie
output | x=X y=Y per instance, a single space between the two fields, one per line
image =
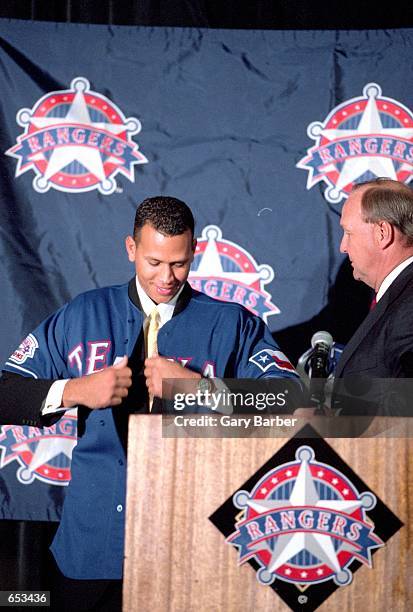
x=152 y=341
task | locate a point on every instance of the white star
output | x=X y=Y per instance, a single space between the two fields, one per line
x=211 y=266
x=89 y=157
x=370 y=125
x=49 y=448
x=78 y=114
x=287 y=545
x=62 y=156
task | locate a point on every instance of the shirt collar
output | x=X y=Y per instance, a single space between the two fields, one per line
x=390 y=278
x=165 y=310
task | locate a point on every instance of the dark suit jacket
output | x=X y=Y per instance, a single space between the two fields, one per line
x=380 y=352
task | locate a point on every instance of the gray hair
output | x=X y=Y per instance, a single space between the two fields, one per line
x=386 y=200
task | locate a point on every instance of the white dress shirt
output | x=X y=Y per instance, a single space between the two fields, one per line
x=390 y=278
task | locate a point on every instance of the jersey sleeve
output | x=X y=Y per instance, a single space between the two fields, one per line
x=42 y=354
x=258 y=354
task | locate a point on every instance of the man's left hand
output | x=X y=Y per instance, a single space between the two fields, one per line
x=159 y=368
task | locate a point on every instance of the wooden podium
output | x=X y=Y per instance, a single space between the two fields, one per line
x=176 y=559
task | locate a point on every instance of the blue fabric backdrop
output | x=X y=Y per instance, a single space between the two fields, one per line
x=224 y=117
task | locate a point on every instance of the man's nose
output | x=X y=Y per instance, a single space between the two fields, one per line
x=166 y=275
x=343 y=244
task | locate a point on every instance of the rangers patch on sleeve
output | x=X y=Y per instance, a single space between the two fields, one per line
x=269 y=358
x=26 y=350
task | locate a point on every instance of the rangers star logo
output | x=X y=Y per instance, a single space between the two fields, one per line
x=305 y=522
x=76 y=140
x=361 y=139
x=43 y=455
x=227 y=272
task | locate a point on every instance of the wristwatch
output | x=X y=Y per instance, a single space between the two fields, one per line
x=206 y=384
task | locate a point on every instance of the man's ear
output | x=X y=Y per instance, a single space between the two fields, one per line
x=193 y=247
x=130 y=248
x=384 y=234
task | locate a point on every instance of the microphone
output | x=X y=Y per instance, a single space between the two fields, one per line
x=321 y=342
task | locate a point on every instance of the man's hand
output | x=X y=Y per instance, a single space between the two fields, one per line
x=158 y=368
x=105 y=388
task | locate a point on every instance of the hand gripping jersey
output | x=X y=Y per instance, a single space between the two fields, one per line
x=213 y=338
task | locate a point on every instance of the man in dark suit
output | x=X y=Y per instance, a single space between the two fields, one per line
x=377 y=222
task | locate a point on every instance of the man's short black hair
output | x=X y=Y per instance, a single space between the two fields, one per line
x=167 y=215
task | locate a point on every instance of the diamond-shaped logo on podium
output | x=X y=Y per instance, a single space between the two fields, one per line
x=305 y=522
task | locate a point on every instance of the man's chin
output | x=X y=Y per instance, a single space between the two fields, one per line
x=356 y=274
x=362 y=279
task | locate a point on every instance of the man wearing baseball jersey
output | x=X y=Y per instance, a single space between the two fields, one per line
x=92 y=354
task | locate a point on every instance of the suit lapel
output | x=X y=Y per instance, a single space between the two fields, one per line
x=375 y=315
x=365 y=327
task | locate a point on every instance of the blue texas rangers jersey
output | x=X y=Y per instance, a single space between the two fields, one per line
x=214 y=338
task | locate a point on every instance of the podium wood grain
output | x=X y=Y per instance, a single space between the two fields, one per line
x=177 y=561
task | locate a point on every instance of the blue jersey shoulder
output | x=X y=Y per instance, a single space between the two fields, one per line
x=237 y=310
x=102 y=297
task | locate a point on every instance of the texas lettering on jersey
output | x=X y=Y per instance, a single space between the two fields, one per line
x=95 y=358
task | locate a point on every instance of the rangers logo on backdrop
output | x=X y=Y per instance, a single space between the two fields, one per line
x=41 y=454
x=227 y=272
x=305 y=522
x=76 y=140
x=362 y=139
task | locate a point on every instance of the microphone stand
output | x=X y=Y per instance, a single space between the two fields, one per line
x=317 y=393
x=318 y=360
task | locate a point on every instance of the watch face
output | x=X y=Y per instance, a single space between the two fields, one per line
x=204 y=385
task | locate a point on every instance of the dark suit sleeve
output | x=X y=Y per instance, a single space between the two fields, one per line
x=406 y=361
x=21 y=400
